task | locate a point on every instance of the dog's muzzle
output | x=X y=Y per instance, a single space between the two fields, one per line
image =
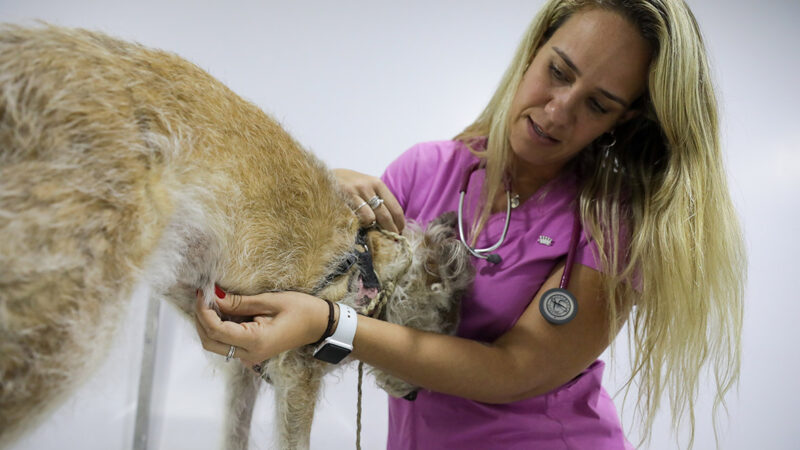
x=368 y=284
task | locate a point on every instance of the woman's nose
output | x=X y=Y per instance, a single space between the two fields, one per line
x=561 y=108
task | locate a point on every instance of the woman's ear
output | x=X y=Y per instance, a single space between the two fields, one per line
x=640 y=107
x=628 y=115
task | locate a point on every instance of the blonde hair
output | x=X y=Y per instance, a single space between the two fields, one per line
x=680 y=265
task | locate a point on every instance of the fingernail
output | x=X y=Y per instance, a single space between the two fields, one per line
x=220 y=293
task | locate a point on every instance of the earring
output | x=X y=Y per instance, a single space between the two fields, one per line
x=608 y=137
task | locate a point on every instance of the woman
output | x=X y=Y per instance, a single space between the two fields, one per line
x=605 y=117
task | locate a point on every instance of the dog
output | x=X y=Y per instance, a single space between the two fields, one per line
x=121 y=164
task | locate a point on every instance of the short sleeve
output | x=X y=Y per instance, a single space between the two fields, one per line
x=587 y=253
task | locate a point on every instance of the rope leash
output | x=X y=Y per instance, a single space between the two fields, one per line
x=358 y=412
x=374 y=309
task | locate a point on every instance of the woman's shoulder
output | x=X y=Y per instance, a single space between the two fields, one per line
x=438 y=153
x=426 y=160
x=422 y=174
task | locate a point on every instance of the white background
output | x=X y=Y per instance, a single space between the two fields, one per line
x=358 y=82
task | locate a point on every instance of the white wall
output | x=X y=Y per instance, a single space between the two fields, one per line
x=358 y=82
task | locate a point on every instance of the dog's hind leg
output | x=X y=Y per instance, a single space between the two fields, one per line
x=241 y=392
x=296 y=378
x=53 y=332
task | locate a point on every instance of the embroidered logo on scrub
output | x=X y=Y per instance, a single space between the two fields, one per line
x=546 y=240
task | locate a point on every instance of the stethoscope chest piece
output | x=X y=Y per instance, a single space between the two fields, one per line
x=558 y=306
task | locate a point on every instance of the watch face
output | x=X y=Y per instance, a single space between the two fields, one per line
x=332 y=353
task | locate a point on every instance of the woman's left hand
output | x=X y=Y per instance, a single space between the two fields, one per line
x=272 y=323
x=362 y=187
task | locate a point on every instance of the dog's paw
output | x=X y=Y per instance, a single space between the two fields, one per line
x=394 y=386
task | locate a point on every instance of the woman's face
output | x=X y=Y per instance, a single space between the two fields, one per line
x=579 y=85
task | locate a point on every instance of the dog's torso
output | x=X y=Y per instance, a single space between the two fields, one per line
x=121 y=165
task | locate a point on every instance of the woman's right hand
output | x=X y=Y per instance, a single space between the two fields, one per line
x=266 y=324
x=361 y=187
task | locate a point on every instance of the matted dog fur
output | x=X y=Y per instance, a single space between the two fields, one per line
x=121 y=165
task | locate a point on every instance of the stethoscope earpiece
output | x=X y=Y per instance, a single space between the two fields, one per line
x=494 y=258
x=558 y=306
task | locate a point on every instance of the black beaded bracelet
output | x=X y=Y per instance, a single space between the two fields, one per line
x=328 y=331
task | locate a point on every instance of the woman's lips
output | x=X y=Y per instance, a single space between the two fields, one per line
x=538 y=135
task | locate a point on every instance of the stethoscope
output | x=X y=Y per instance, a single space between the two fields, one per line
x=558 y=305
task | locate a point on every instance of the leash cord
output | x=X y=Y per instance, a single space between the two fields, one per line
x=374 y=309
x=358 y=413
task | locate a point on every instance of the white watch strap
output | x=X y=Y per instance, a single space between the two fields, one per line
x=346 y=328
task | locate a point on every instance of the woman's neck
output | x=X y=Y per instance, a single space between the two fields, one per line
x=526 y=181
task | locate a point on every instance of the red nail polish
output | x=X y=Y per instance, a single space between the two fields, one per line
x=219 y=291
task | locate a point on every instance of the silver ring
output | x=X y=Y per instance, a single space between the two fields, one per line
x=360 y=206
x=375 y=202
x=230 y=353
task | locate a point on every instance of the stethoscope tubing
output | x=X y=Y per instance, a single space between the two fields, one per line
x=573 y=247
x=478 y=251
x=481 y=252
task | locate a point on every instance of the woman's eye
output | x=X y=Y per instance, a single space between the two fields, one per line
x=557 y=73
x=597 y=107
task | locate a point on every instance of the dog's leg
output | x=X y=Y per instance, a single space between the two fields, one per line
x=241 y=392
x=296 y=377
x=52 y=334
x=242 y=383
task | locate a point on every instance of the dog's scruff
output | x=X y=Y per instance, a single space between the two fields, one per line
x=121 y=165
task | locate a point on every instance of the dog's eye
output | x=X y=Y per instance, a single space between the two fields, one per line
x=342 y=268
x=345 y=265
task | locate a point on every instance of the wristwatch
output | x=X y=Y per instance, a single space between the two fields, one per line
x=336 y=347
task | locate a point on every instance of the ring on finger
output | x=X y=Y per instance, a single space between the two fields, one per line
x=230 y=353
x=360 y=206
x=375 y=202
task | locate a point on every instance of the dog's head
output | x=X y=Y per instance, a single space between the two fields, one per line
x=354 y=280
x=431 y=270
x=424 y=274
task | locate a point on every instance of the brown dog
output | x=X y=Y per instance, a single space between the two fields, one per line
x=121 y=165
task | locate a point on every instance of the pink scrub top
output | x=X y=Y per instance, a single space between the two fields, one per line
x=579 y=415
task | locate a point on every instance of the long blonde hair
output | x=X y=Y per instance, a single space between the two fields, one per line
x=680 y=266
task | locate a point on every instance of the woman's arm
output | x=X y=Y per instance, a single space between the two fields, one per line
x=532 y=358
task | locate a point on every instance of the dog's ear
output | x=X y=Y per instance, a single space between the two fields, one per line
x=386 y=253
x=448 y=220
